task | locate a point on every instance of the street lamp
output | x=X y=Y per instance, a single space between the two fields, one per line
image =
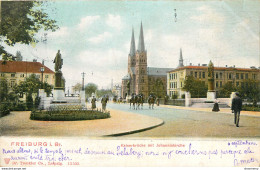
x=42 y=70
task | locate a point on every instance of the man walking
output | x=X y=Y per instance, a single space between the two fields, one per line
x=236 y=107
x=104 y=102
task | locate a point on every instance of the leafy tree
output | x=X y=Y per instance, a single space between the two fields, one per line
x=197 y=88
x=77 y=87
x=227 y=89
x=250 y=89
x=90 y=88
x=20 y=21
x=103 y=92
x=32 y=85
x=3 y=89
x=18 y=56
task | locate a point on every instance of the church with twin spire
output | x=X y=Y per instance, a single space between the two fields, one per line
x=141 y=79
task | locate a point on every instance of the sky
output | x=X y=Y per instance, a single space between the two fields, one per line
x=94 y=36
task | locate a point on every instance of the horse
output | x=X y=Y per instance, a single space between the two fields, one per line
x=140 y=101
x=133 y=101
x=151 y=100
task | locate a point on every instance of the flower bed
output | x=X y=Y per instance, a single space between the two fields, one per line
x=68 y=113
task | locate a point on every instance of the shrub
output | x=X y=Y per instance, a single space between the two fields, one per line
x=68 y=113
x=4 y=109
x=29 y=101
x=250 y=108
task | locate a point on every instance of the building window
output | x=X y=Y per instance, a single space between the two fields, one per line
x=38 y=76
x=242 y=84
x=21 y=75
x=181 y=84
x=191 y=73
x=195 y=74
x=13 y=75
x=220 y=84
x=12 y=83
x=199 y=74
x=237 y=76
x=246 y=76
x=46 y=76
x=216 y=84
x=176 y=75
x=254 y=76
x=242 y=76
x=216 y=75
x=203 y=74
x=229 y=76
x=237 y=84
x=2 y=74
x=220 y=75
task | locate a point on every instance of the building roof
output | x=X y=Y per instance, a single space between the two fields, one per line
x=141 y=47
x=215 y=68
x=23 y=67
x=153 y=71
x=132 y=46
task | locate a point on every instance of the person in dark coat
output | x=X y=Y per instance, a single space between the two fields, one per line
x=104 y=103
x=236 y=107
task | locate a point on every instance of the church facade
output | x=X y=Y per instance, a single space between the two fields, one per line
x=141 y=79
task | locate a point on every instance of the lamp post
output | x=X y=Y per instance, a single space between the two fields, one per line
x=42 y=70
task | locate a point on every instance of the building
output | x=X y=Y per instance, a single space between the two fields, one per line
x=17 y=71
x=116 y=90
x=176 y=77
x=140 y=78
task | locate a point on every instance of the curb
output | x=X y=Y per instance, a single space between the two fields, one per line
x=134 y=131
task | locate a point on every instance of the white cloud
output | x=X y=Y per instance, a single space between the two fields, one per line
x=87 y=21
x=62 y=32
x=114 y=21
x=100 y=38
x=208 y=15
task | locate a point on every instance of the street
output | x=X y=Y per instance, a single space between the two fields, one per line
x=189 y=123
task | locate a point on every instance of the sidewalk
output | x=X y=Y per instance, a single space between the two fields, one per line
x=222 y=110
x=19 y=124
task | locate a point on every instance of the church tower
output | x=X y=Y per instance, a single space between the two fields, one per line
x=180 y=60
x=131 y=56
x=141 y=85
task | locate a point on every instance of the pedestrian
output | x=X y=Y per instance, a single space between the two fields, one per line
x=157 y=101
x=236 y=107
x=93 y=103
x=104 y=103
x=215 y=107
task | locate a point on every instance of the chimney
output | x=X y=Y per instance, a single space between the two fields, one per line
x=190 y=64
x=226 y=65
x=199 y=64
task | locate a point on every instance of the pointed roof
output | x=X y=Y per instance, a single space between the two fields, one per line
x=132 y=46
x=141 y=47
x=181 y=59
x=181 y=54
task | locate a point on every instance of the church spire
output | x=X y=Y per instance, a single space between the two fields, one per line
x=181 y=59
x=141 y=47
x=132 y=46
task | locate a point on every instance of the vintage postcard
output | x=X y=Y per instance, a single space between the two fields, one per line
x=130 y=83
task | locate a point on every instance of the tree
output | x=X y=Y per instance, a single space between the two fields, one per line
x=18 y=56
x=3 y=90
x=250 y=89
x=77 y=87
x=197 y=88
x=20 y=21
x=227 y=89
x=103 y=92
x=32 y=85
x=90 y=88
